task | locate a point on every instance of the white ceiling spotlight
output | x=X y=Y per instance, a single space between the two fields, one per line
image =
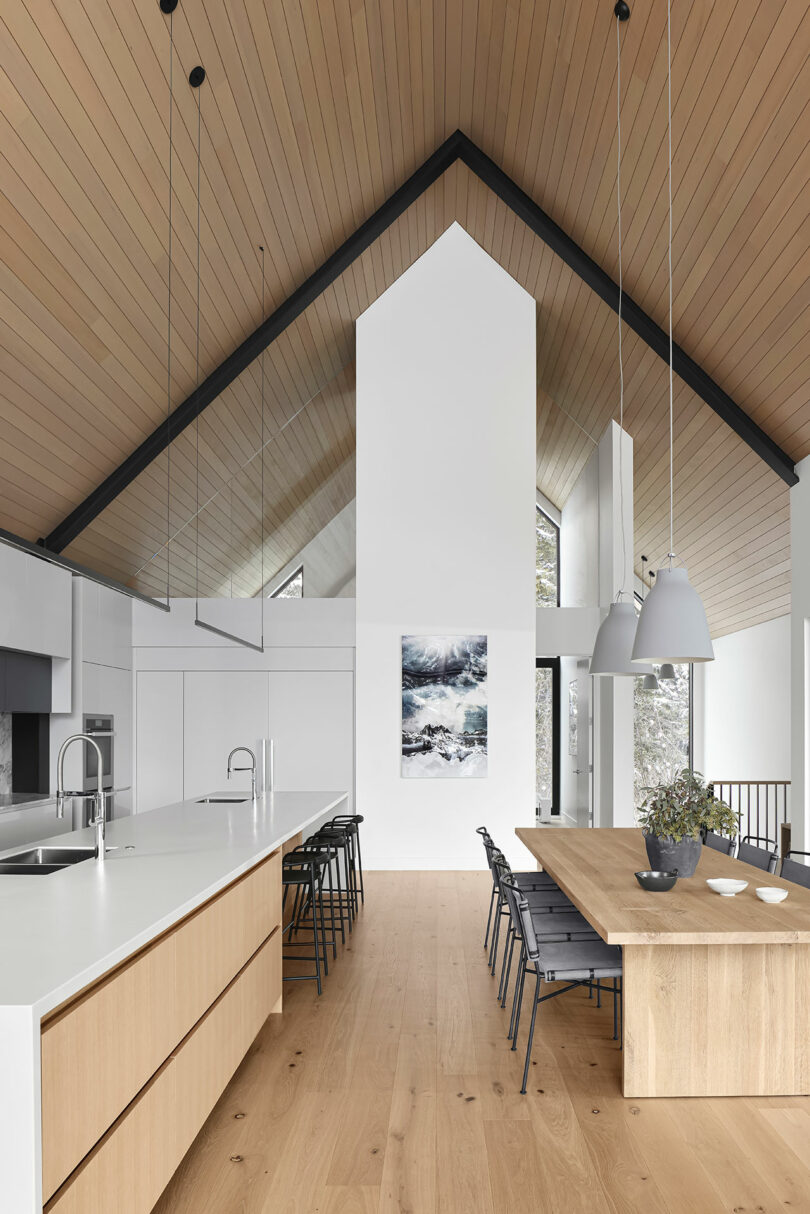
x=672 y=626
x=613 y=648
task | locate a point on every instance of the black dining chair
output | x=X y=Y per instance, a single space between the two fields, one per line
x=792 y=870
x=574 y=962
x=759 y=857
x=718 y=842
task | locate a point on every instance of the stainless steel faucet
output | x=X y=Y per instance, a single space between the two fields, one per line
x=98 y=820
x=251 y=769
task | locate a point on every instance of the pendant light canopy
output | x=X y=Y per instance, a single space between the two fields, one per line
x=672 y=626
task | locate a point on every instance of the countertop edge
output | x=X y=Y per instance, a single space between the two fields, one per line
x=56 y=997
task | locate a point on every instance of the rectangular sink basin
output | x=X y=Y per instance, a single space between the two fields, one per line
x=11 y=869
x=36 y=857
x=222 y=800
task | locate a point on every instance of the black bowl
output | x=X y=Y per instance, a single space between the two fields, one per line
x=657 y=882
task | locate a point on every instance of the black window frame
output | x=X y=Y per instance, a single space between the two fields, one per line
x=554 y=665
x=274 y=594
x=556 y=526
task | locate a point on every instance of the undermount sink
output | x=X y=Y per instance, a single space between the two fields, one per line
x=41 y=861
x=222 y=800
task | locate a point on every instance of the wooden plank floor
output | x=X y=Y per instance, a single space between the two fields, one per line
x=396 y=1093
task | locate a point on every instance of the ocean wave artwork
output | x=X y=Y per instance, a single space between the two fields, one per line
x=444 y=707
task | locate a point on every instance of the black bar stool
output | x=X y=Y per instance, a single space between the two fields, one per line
x=339 y=839
x=355 y=820
x=302 y=870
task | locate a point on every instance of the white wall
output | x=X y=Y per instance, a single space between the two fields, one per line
x=328 y=560
x=198 y=696
x=445 y=541
x=746 y=704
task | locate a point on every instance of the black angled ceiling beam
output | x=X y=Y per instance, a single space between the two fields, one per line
x=456 y=147
x=587 y=269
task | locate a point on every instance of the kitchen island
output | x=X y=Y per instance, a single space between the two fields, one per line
x=130 y=991
x=714 y=989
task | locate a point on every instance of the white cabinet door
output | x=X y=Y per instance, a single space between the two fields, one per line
x=222 y=709
x=312 y=727
x=159 y=738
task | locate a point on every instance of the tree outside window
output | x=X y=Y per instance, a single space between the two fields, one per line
x=547 y=550
x=662 y=730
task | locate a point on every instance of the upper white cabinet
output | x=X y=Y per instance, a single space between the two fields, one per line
x=35 y=604
x=222 y=709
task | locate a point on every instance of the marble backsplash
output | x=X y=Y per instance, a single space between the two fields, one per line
x=5 y=752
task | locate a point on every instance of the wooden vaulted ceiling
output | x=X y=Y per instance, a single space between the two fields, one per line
x=312 y=114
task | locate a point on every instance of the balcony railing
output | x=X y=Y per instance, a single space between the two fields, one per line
x=762 y=806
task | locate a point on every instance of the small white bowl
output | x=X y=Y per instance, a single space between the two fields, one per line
x=726 y=887
x=767 y=893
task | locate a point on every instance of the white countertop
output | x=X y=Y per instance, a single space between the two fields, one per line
x=60 y=932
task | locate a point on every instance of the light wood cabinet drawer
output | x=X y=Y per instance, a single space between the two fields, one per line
x=100 y=1050
x=128 y=1170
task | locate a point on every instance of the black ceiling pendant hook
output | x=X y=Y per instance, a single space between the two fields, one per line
x=622 y=10
x=196 y=76
x=168 y=6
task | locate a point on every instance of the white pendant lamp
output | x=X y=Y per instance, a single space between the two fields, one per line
x=650 y=683
x=612 y=651
x=672 y=626
x=667 y=671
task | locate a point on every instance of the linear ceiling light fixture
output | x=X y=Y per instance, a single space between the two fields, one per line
x=617 y=633
x=672 y=626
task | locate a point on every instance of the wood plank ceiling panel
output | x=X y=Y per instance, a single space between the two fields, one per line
x=311 y=117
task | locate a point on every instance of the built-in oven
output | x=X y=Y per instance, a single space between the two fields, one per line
x=102 y=731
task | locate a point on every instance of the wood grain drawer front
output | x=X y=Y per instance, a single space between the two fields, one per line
x=129 y=1169
x=100 y=1050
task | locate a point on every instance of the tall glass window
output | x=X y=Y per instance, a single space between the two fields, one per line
x=662 y=722
x=547 y=549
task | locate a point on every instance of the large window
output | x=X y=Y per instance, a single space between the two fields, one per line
x=547 y=549
x=662 y=721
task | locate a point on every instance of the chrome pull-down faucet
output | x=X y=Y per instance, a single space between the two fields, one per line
x=251 y=769
x=98 y=820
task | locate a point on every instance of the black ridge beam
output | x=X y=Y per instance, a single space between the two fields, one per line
x=456 y=147
x=252 y=346
x=587 y=269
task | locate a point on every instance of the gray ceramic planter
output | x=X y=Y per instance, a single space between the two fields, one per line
x=665 y=854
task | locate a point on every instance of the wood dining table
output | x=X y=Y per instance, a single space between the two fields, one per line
x=716 y=989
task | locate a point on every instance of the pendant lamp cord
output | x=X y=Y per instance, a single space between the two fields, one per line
x=169 y=322
x=669 y=179
x=197 y=366
x=264 y=352
x=623 y=588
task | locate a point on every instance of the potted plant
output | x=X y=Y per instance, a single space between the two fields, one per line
x=676 y=816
